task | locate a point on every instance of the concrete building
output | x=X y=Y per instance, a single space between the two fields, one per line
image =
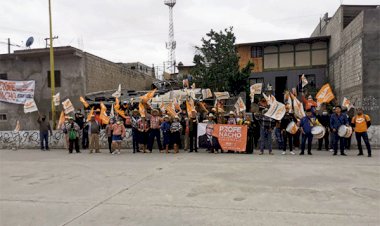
x=354 y=55
x=76 y=74
x=140 y=67
x=281 y=63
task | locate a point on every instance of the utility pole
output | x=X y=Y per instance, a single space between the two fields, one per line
x=46 y=40
x=52 y=76
x=9 y=46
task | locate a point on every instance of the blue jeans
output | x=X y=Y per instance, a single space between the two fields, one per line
x=44 y=136
x=154 y=133
x=309 y=138
x=341 y=140
x=279 y=138
x=265 y=137
x=366 y=141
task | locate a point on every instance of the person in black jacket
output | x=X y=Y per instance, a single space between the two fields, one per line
x=324 y=119
x=288 y=137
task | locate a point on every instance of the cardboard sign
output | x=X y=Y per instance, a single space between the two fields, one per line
x=16 y=92
x=325 y=94
x=30 y=106
x=68 y=106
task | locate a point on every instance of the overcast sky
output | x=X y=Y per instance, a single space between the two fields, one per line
x=130 y=31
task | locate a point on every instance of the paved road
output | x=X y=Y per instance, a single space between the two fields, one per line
x=55 y=188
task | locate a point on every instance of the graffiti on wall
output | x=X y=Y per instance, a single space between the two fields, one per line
x=31 y=139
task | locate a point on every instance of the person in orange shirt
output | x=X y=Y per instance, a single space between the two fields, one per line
x=362 y=122
x=309 y=103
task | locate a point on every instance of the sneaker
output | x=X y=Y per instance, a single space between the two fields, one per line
x=343 y=154
x=309 y=153
x=331 y=150
x=284 y=153
x=360 y=154
x=113 y=153
x=301 y=153
x=261 y=153
x=335 y=154
x=271 y=153
x=118 y=152
x=292 y=152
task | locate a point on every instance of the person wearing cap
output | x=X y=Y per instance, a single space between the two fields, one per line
x=266 y=127
x=44 y=132
x=287 y=137
x=231 y=120
x=165 y=128
x=336 y=120
x=361 y=122
x=135 y=141
x=118 y=133
x=108 y=132
x=154 y=132
x=72 y=127
x=143 y=133
x=306 y=124
x=175 y=136
x=94 y=131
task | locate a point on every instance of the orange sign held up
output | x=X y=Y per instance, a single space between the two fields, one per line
x=325 y=94
x=84 y=102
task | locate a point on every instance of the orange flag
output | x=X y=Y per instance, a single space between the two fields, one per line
x=103 y=114
x=117 y=104
x=62 y=119
x=142 y=109
x=84 y=102
x=202 y=105
x=90 y=114
x=325 y=94
x=170 y=110
x=121 y=113
x=176 y=104
x=144 y=99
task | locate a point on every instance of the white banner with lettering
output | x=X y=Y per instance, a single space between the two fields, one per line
x=16 y=92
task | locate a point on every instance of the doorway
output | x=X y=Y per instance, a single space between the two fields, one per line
x=281 y=85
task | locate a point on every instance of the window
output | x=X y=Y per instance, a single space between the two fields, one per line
x=133 y=67
x=4 y=76
x=57 y=79
x=256 y=51
x=256 y=80
x=3 y=117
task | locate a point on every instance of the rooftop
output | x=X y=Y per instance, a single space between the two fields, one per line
x=286 y=41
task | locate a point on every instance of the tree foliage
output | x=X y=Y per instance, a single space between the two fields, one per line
x=217 y=63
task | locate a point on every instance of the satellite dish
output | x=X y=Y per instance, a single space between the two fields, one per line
x=29 y=42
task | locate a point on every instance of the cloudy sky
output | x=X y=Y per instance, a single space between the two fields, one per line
x=129 y=31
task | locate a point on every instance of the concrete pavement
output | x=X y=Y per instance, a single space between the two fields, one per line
x=55 y=188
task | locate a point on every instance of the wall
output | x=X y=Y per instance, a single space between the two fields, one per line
x=35 y=68
x=106 y=75
x=31 y=140
x=371 y=64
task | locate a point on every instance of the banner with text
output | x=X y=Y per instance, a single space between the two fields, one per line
x=223 y=136
x=16 y=92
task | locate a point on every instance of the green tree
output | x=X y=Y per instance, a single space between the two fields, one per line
x=217 y=64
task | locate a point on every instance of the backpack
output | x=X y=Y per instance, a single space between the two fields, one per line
x=72 y=134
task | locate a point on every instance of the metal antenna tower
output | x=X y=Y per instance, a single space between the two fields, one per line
x=171 y=44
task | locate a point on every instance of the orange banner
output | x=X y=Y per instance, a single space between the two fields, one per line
x=144 y=99
x=84 y=102
x=325 y=94
x=226 y=137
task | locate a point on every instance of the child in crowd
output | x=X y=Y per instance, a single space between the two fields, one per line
x=175 y=130
x=165 y=128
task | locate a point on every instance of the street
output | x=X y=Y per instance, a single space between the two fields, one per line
x=55 y=188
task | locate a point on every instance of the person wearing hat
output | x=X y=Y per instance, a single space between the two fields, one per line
x=73 y=132
x=94 y=131
x=210 y=118
x=44 y=132
x=231 y=120
x=165 y=128
x=143 y=129
x=135 y=141
x=361 y=123
x=306 y=124
x=154 y=132
x=175 y=130
x=336 y=120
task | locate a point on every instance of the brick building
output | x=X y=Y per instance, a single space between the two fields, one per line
x=354 y=55
x=76 y=74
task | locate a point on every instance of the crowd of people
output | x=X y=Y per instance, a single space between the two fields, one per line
x=180 y=131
